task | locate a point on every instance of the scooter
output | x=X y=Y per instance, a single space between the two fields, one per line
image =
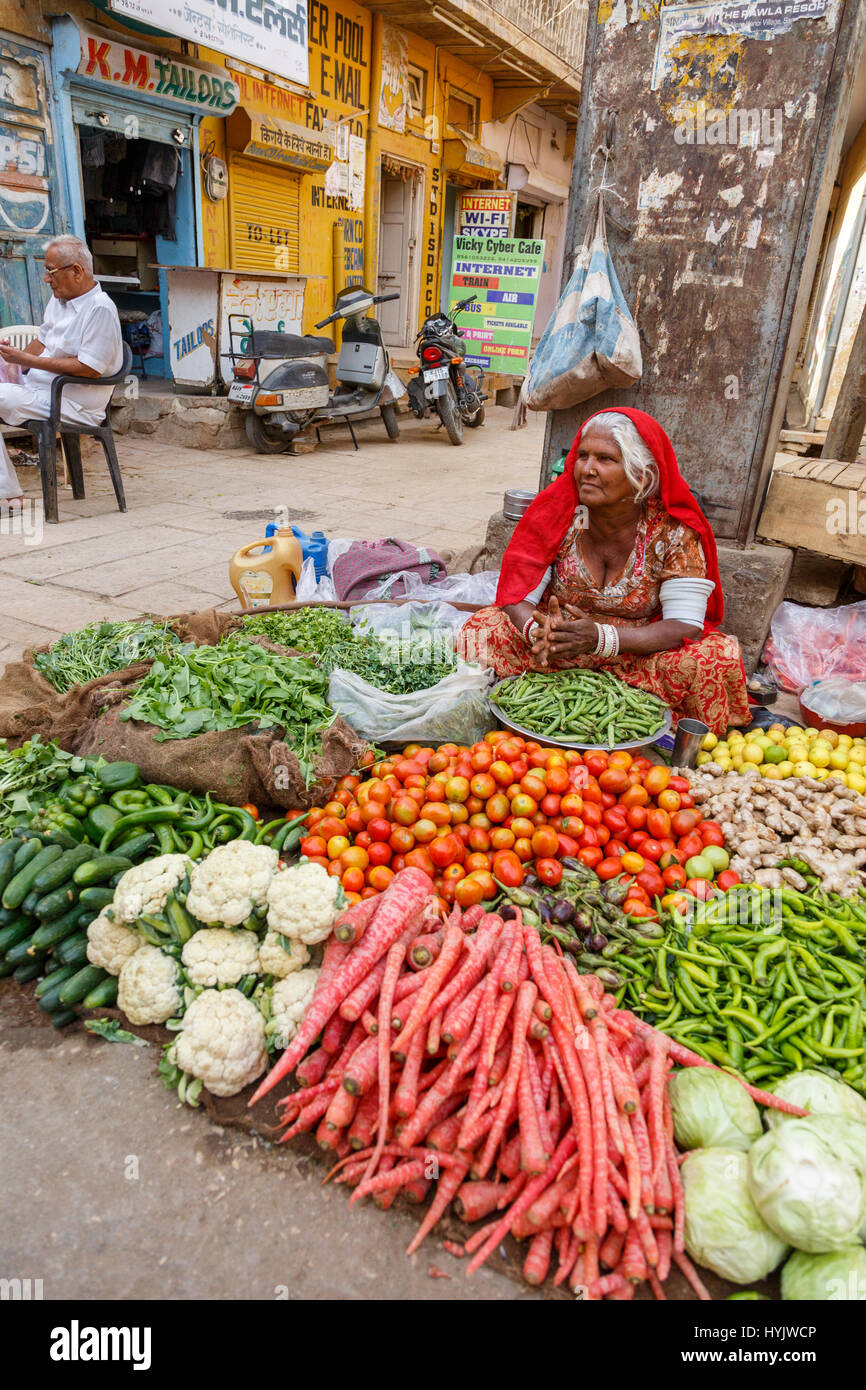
x=442 y=382
x=294 y=393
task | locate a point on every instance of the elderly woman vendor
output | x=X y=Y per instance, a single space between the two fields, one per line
x=614 y=567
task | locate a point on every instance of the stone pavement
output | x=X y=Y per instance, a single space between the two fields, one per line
x=190 y=510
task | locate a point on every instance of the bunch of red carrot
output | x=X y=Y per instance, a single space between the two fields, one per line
x=479 y=1059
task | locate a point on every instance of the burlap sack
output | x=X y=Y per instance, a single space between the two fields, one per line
x=29 y=704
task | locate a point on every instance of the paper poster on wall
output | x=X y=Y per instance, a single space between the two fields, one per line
x=484 y=214
x=758 y=19
x=505 y=278
x=395 y=78
x=337 y=180
x=357 y=165
x=271 y=34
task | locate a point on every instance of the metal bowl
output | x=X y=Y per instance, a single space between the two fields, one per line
x=647 y=742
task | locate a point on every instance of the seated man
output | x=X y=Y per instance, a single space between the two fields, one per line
x=79 y=337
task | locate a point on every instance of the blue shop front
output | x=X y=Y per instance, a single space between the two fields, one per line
x=128 y=139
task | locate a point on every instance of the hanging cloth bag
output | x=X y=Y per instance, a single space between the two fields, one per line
x=591 y=344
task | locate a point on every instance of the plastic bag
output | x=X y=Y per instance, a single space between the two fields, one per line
x=10 y=373
x=591 y=343
x=454 y=710
x=839 y=700
x=809 y=644
x=454 y=588
x=311 y=590
x=405 y=619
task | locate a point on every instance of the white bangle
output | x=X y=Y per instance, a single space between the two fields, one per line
x=527 y=630
x=607 y=645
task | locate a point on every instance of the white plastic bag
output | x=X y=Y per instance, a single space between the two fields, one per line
x=404 y=620
x=454 y=588
x=309 y=590
x=454 y=710
x=838 y=700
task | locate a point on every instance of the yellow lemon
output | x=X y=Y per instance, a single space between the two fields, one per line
x=725 y=764
x=753 y=753
x=798 y=752
x=709 y=742
x=786 y=769
x=841 y=777
x=775 y=754
x=805 y=769
x=844 y=739
x=770 y=770
x=857 y=755
x=777 y=736
x=735 y=736
x=856 y=781
x=749 y=766
x=830 y=736
x=812 y=734
x=839 y=759
x=777 y=729
x=821 y=774
x=737 y=761
x=821 y=753
x=703 y=758
x=795 y=729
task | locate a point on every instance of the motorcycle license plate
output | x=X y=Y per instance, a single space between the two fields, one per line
x=239 y=391
x=436 y=374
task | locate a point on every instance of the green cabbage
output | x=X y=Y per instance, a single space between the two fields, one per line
x=834 y=1276
x=712 y=1111
x=818 y=1093
x=808 y=1180
x=724 y=1231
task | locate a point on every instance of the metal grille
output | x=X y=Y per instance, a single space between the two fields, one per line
x=265 y=216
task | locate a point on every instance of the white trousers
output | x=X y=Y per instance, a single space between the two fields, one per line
x=20 y=403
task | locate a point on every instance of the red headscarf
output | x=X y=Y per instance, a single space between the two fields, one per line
x=546 y=522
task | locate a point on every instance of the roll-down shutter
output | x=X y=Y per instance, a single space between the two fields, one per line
x=265 y=216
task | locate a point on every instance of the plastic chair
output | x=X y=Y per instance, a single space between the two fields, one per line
x=45 y=432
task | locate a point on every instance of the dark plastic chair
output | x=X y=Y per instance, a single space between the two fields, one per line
x=45 y=433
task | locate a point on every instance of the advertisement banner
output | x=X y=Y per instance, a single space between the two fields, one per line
x=486 y=214
x=270 y=34
x=170 y=76
x=505 y=276
x=395 y=78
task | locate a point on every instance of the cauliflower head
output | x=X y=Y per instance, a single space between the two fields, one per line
x=290 y=999
x=110 y=945
x=146 y=887
x=219 y=956
x=148 y=987
x=276 y=960
x=231 y=882
x=222 y=1041
x=303 y=903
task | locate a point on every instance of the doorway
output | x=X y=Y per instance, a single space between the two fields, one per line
x=399 y=207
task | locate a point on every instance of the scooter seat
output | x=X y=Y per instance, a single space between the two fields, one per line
x=264 y=343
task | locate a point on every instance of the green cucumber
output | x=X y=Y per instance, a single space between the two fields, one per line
x=72 y=950
x=56 y=903
x=20 y=953
x=54 y=980
x=8 y=850
x=15 y=932
x=6 y=968
x=8 y=915
x=28 y=907
x=96 y=898
x=137 y=845
x=62 y=1017
x=99 y=869
x=62 y=869
x=50 y=934
x=26 y=852
x=19 y=886
x=103 y=996
x=28 y=971
x=81 y=983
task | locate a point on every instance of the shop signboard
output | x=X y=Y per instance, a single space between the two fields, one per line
x=269 y=34
x=265 y=137
x=169 y=76
x=487 y=214
x=275 y=303
x=504 y=275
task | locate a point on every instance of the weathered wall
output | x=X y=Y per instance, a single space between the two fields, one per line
x=719 y=163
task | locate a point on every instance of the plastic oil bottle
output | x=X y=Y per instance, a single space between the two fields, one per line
x=267 y=571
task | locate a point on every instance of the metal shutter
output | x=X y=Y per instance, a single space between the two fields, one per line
x=265 y=215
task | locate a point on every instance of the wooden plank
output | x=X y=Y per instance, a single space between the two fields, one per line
x=831 y=471
x=801 y=437
x=796 y=513
x=853 y=476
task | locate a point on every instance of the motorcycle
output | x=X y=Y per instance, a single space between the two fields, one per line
x=294 y=392
x=443 y=382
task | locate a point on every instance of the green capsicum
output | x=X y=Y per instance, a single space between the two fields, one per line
x=118 y=777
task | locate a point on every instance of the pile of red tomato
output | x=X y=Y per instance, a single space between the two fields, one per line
x=505 y=807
